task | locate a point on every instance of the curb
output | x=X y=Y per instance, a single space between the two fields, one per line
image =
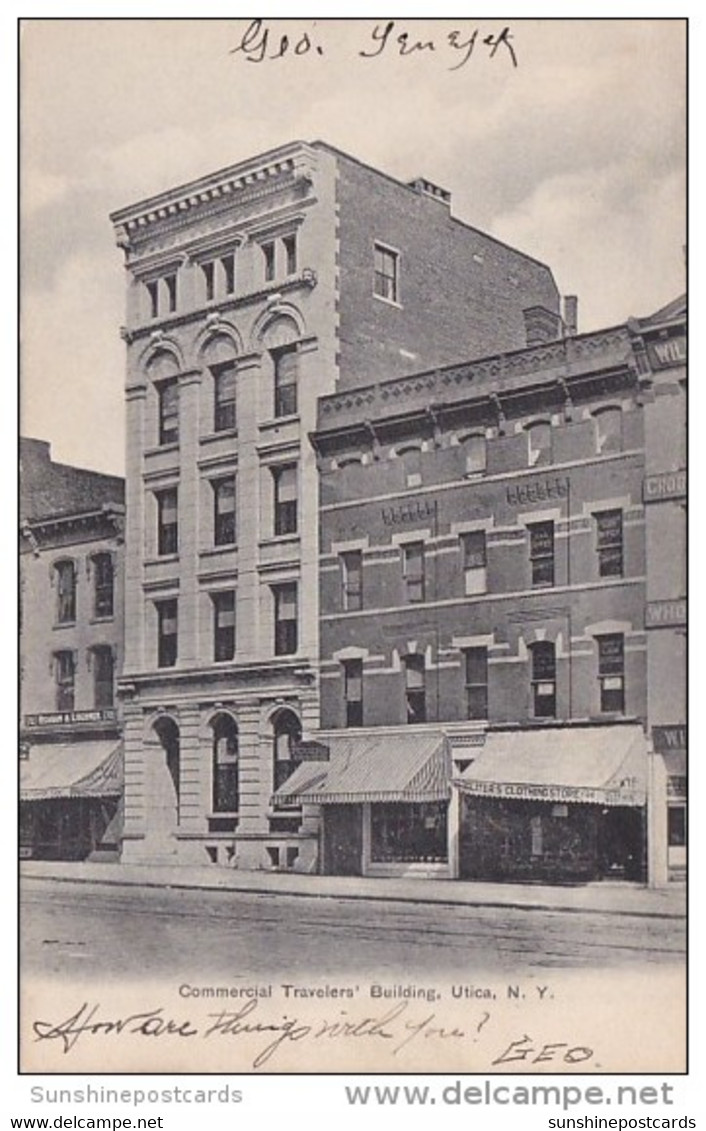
x=362 y=897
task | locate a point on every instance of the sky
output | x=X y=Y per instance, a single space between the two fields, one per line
x=576 y=156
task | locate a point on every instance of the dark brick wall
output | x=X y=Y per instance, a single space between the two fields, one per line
x=453 y=306
x=50 y=489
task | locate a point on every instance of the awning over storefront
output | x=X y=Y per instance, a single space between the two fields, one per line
x=586 y=765
x=78 y=769
x=374 y=767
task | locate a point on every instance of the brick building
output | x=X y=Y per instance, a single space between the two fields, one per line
x=485 y=585
x=252 y=292
x=71 y=528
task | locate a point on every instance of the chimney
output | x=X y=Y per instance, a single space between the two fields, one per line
x=541 y=325
x=571 y=312
x=428 y=188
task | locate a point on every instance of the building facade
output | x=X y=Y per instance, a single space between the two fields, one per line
x=71 y=601
x=490 y=660
x=251 y=293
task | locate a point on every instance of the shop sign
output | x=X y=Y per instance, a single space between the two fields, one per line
x=538 y=491
x=664 y=485
x=416 y=510
x=668 y=352
x=665 y=614
x=668 y=738
x=67 y=718
x=627 y=793
x=313 y=751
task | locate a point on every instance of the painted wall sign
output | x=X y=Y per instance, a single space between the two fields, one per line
x=417 y=510
x=313 y=751
x=665 y=614
x=666 y=738
x=538 y=491
x=664 y=485
x=66 y=718
x=668 y=352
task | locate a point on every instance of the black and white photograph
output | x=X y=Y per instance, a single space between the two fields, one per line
x=353 y=546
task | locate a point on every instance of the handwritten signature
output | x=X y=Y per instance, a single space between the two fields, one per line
x=390 y=1026
x=260 y=43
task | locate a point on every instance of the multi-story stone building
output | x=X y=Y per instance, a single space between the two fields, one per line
x=71 y=530
x=251 y=293
x=498 y=626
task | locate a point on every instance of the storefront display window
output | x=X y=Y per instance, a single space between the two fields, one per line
x=404 y=832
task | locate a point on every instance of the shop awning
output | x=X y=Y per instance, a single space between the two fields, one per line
x=374 y=767
x=586 y=765
x=77 y=769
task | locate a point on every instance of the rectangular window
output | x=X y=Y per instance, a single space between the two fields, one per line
x=286 y=363
x=539 y=444
x=224 y=397
x=285 y=599
x=475 y=573
x=290 y=252
x=352 y=580
x=224 y=511
x=386 y=284
x=103 y=585
x=285 y=489
x=170 y=282
x=541 y=552
x=543 y=679
x=609 y=543
x=415 y=693
x=223 y=625
x=611 y=672
x=413 y=568
x=353 y=691
x=168 y=394
x=676 y=826
x=476 y=672
x=228 y=265
x=66 y=592
x=209 y=276
x=103 y=672
x=167 y=522
x=153 y=292
x=167 y=633
x=268 y=254
x=609 y=430
x=65 y=673
x=475 y=454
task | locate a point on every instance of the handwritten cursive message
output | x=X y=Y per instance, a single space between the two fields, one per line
x=260 y=43
x=394 y=1028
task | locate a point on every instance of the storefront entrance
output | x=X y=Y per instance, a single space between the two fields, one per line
x=343 y=840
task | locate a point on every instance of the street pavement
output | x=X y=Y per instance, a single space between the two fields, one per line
x=113 y=931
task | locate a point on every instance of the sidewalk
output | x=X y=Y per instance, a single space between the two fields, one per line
x=608 y=898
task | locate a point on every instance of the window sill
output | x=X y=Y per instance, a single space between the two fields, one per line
x=388 y=301
x=161 y=558
x=159 y=448
x=279 y=539
x=65 y=624
x=275 y=421
x=105 y=619
x=224 y=434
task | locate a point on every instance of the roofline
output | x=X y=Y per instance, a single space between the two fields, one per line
x=128 y=211
x=320 y=144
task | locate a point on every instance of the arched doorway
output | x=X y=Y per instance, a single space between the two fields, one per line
x=224 y=774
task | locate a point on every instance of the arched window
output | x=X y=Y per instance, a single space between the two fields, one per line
x=539 y=443
x=66 y=591
x=287 y=734
x=225 y=765
x=543 y=661
x=167 y=732
x=609 y=430
x=103 y=584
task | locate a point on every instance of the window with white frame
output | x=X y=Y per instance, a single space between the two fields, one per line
x=475 y=570
x=413 y=570
x=285 y=499
x=386 y=279
x=609 y=430
x=541 y=552
x=543 y=677
x=539 y=443
x=611 y=672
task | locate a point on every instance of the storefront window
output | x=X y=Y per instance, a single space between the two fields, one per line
x=403 y=832
x=676 y=826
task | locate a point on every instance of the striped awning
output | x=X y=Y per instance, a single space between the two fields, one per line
x=601 y=765
x=374 y=767
x=77 y=769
